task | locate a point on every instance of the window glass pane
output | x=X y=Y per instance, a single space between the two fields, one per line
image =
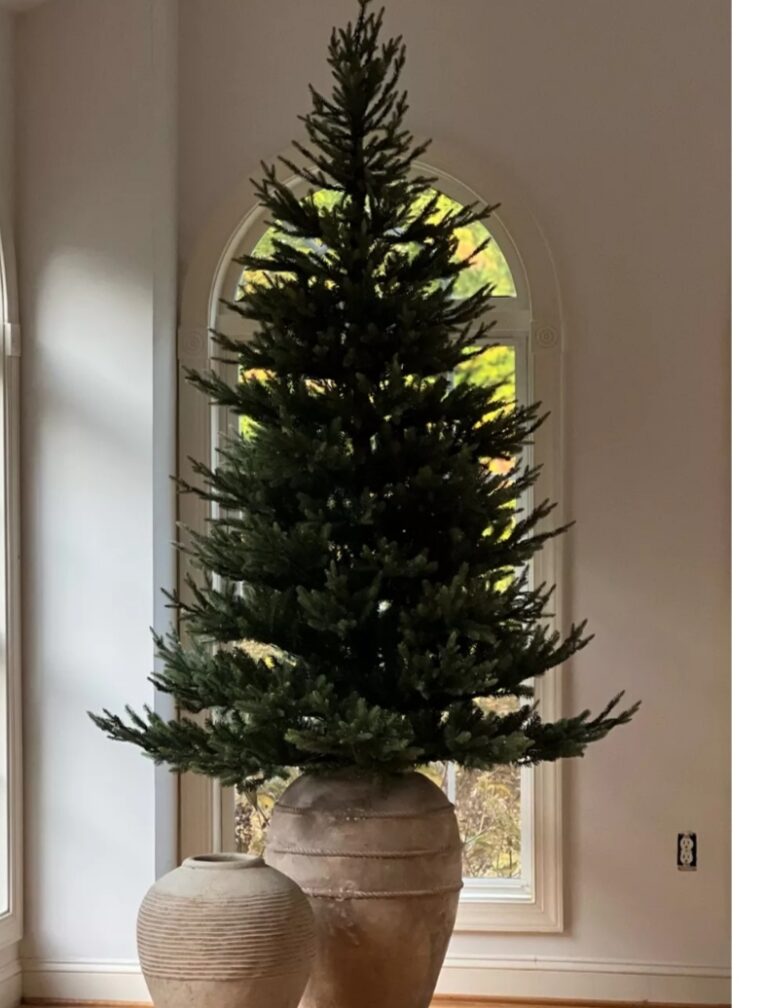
x=487 y=802
x=488 y=808
x=488 y=267
x=494 y=366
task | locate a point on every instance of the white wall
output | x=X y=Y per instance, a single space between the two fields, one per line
x=611 y=117
x=96 y=180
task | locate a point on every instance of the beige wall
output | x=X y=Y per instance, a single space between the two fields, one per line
x=611 y=117
x=6 y=116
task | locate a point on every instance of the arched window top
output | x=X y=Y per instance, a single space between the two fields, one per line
x=524 y=356
x=489 y=265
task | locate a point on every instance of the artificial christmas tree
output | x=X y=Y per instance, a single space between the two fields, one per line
x=364 y=588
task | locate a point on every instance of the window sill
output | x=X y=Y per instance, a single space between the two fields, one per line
x=510 y=912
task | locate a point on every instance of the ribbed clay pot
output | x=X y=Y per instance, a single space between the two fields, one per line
x=380 y=859
x=225 y=931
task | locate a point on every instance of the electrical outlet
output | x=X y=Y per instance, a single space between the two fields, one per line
x=687 y=854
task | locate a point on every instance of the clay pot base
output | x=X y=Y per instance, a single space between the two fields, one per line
x=380 y=859
x=225 y=931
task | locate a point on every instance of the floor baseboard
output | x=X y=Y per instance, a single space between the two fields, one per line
x=71 y=1003
x=499 y=983
x=10 y=986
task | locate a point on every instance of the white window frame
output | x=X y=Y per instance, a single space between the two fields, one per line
x=10 y=617
x=534 y=902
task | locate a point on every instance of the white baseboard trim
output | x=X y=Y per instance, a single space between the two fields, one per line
x=584 y=979
x=10 y=985
x=523 y=977
x=84 y=980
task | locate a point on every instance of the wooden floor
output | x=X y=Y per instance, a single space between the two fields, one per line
x=457 y=1001
x=444 y=1001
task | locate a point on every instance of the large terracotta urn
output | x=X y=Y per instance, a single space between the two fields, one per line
x=380 y=859
x=225 y=931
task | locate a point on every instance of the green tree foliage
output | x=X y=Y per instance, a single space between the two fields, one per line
x=363 y=590
x=474 y=244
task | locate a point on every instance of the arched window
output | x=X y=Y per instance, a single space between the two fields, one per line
x=489 y=803
x=509 y=818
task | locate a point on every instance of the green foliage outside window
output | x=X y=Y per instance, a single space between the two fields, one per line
x=487 y=806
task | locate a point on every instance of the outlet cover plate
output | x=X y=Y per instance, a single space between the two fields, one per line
x=687 y=852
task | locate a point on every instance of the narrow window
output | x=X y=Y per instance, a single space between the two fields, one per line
x=490 y=804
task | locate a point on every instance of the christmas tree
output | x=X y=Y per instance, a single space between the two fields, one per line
x=363 y=594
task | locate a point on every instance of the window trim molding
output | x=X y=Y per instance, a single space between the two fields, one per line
x=203 y=804
x=11 y=921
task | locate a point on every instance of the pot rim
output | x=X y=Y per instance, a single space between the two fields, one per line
x=223 y=861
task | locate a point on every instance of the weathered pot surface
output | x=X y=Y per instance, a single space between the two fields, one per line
x=380 y=859
x=225 y=931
